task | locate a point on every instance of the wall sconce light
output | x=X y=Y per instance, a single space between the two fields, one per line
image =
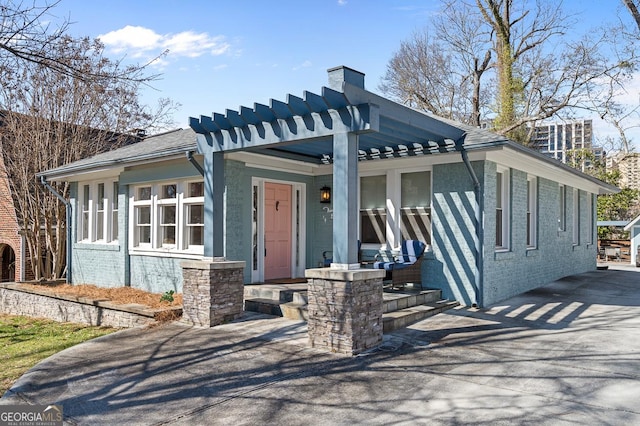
x=325 y=194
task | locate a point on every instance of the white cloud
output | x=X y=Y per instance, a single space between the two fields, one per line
x=342 y=2
x=305 y=64
x=143 y=42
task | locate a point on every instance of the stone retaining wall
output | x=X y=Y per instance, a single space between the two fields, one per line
x=17 y=300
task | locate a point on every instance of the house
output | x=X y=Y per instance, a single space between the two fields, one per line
x=634 y=236
x=498 y=218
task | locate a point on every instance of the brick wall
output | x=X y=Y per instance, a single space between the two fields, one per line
x=9 y=237
x=451 y=266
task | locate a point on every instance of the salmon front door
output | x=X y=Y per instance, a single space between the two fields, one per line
x=277 y=230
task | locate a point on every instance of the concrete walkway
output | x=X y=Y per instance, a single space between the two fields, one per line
x=567 y=353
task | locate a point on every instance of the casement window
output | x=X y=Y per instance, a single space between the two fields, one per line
x=194 y=215
x=373 y=211
x=98 y=216
x=532 y=212
x=395 y=206
x=142 y=216
x=415 y=206
x=114 y=211
x=591 y=212
x=168 y=216
x=562 y=208
x=86 y=212
x=502 y=209
x=576 y=217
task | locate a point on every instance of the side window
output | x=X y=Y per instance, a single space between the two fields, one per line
x=532 y=211
x=86 y=212
x=502 y=209
x=576 y=217
x=562 y=208
x=415 y=206
x=373 y=210
x=97 y=206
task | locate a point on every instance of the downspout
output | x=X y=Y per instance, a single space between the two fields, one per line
x=193 y=161
x=67 y=205
x=477 y=188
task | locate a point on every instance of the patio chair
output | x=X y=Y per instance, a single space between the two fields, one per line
x=407 y=267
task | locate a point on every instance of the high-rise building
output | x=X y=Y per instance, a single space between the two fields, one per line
x=557 y=139
x=629 y=166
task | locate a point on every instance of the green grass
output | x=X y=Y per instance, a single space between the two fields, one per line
x=26 y=341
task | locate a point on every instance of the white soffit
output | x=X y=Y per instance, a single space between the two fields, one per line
x=520 y=161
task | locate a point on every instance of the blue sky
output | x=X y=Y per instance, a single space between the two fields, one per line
x=224 y=54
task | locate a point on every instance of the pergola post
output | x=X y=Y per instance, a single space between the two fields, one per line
x=214 y=205
x=345 y=201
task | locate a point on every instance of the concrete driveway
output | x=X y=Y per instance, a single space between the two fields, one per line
x=567 y=353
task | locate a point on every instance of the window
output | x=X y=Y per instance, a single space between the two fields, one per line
x=99 y=205
x=576 y=217
x=532 y=216
x=373 y=212
x=142 y=215
x=194 y=205
x=562 y=208
x=502 y=209
x=590 y=205
x=415 y=206
x=168 y=216
x=114 y=211
x=395 y=206
x=167 y=202
x=86 y=212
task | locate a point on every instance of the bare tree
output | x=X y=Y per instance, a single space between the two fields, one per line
x=633 y=9
x=54 y=118
x=441 y=71
x=28 y=35
x=538 y=71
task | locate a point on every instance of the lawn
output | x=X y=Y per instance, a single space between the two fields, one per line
x=26 y=341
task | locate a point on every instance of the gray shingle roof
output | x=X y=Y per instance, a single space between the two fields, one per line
x=157 y=146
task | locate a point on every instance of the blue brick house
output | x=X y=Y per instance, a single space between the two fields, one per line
x=498 y=218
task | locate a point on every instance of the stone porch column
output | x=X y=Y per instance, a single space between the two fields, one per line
x=345 y=309
x=212 y=291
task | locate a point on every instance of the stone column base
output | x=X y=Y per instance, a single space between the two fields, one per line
x=212 y=291
x=345 y=309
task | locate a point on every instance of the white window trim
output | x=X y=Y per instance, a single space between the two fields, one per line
x=562 y=207
x=109 y=236
x=590 y=209
x=576 y=217
x=506 y=208
x=393 y=205
x=532 y=210
x=155 y=203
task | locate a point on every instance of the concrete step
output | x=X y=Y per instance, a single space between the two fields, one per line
x=278 y=292
x=404 y=317
x=395 y=300
x=289 y=310
x=400 y=307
